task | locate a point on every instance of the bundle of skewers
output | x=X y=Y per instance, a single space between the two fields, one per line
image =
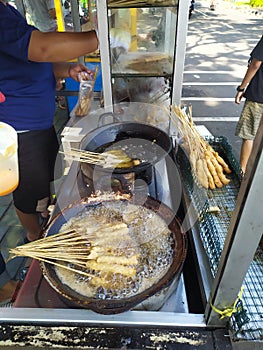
x=87 y=254
x=108 y=159
x=209 y=167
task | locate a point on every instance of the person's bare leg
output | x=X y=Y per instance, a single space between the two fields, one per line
x=245 y=152
x=31 y=224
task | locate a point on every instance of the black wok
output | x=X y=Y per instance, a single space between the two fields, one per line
x=139 y=141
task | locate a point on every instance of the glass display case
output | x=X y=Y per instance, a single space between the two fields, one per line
x=143 y=64
x=152 y=36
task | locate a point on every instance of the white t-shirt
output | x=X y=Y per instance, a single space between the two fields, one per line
x=38 y=12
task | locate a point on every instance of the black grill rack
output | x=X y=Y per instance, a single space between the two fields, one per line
x=247 y=322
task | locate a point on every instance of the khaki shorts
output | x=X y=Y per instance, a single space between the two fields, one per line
x=249 y=120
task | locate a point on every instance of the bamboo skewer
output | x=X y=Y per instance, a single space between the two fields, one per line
x=81 y=272
x=69 y=247
x=84 y=250
x=106 y=159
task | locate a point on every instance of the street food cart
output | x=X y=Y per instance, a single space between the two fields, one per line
x=216 y=295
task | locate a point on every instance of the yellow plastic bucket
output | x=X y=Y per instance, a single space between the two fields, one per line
x=9 y=175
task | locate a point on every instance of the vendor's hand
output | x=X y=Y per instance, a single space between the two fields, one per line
x=76 y=68
x=238 y=97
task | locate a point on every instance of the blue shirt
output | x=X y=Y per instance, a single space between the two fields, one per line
x=29 y=87
x=254 y=91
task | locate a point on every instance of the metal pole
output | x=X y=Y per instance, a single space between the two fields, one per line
x=102 y=15
x=180 y=43
x=76 y=22
x=59 y=14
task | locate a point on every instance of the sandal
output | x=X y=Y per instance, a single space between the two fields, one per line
x=43 y=220
x=61 y=102
x=242 y=174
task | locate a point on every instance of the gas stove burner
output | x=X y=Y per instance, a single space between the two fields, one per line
x=147 y=184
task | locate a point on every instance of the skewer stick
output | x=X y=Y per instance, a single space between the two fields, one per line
x=78 y=250
x=74 y=260
x=63 y=266
x=106 y=159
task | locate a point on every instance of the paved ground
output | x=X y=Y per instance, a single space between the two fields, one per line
x=218 y=46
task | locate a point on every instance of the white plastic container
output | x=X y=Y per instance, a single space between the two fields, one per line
x=9 y=175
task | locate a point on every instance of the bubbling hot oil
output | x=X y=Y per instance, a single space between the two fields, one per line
x=151 y=240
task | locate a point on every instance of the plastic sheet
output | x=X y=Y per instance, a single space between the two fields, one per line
x=85 y=95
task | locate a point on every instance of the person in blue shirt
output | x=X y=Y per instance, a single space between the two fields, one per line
x=251 y=88
x=31 y=61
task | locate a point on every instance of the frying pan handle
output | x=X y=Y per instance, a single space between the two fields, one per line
x=103 y=117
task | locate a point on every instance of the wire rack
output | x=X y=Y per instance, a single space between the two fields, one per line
x=247 y=323
x=213 y=227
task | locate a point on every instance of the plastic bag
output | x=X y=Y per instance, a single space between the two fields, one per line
x=85 y=95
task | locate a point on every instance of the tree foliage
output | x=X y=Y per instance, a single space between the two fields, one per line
x=256 y=3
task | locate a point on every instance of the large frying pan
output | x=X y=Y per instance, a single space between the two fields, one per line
x=74 y=299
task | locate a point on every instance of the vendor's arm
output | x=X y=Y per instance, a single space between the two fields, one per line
x=251 y=71
x=61 y=46
x=70 y=70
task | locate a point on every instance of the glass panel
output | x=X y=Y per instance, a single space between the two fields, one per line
x=141 y=3
x=149 y=35
x=142 y=89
